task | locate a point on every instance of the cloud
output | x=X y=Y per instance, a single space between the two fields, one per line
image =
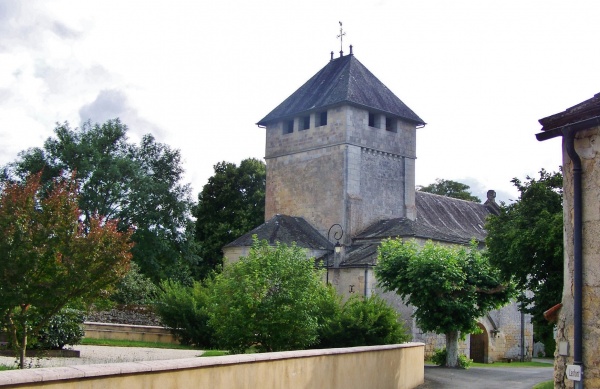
x=112 y=104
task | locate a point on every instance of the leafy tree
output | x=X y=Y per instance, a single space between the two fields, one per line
x=450 y=188
x=49 y=258
x=449 y=286
x=138 y=185
x=230 y=204
x=525 y=241
x=270 y=299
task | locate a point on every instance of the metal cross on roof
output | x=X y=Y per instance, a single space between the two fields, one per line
x=341 y=36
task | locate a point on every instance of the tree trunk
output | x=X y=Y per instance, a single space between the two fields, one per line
x=23 y=350
x=452 y=349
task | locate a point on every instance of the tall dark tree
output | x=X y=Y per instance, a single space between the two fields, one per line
x=526 y=242
x=139 y=185
x=450 y=188
x=230 y=204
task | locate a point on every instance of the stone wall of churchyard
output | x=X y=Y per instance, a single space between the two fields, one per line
x=587 y=145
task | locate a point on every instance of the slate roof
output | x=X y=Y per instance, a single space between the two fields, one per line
x=342 y=80
x=438 y=218
x=285 y=229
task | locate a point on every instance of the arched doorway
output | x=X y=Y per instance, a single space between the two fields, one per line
x=479 y=346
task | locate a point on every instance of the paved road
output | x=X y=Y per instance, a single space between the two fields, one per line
x=485 y=377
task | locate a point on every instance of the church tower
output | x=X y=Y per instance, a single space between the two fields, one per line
x=341 y=150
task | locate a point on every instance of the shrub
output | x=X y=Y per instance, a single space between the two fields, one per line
x=134 y=288
x=363 y=322
x=184 y=310
x=271 y=299
x=439 y=358
x=64 y=328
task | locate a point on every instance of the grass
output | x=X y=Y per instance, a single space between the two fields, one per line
x=545 y=385
x=214 y=353
x=7 y=367
x=133 y=343
x=512 y=364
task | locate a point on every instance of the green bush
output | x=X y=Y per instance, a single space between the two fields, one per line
x=184 y=310
x=439 y=358
x=363 y=322
x=271 y=299
x=64 y=328
x=135 y=288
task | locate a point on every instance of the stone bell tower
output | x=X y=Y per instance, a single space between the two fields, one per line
x=341 y=150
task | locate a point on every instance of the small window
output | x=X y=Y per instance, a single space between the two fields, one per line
x=305 y=121
x=288 y=126
x=390 y=125
x=321 y=119
x=371 y=119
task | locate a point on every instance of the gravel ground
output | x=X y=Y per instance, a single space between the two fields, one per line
x=102 y=354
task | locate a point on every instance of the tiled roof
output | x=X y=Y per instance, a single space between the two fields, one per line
x=285 y=229
x=342 y=80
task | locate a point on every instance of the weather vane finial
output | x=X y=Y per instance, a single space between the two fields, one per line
x=341 y=36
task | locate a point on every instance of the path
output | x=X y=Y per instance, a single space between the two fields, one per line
x=485 y=377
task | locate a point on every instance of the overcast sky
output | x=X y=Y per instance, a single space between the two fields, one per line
x=198 y=75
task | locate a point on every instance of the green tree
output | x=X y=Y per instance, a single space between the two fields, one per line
x=230 y=204
x=450 y=188
x=449 y=286
x=525 y=241
x=49 y=258
x=138 y=185
x=270 y=299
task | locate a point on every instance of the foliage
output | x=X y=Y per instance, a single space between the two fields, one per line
x=183 y=309
x=230 y=204
x=270 y=299
x=525 y=241
x=440 y=356
x=135 y=288
x=450 y=188
x=48 y=257
x=449 y=286
x=364 y=322
x=138 y=185
x=64 y=328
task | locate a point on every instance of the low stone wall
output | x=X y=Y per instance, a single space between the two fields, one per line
x=128 y=332
x=383 y=367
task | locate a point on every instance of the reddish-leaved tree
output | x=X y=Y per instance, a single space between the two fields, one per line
x=48 y=257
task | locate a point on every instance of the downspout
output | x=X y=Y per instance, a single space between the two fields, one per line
x=568 y=134
x=569 y=139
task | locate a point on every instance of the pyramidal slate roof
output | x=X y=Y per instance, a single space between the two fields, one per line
x=342 y=80
x=287 y=230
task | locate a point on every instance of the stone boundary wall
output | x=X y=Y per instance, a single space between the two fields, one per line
x=397 y=366
x=128 y=332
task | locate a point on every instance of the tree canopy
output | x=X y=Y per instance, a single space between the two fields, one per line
x=525 y=241
x=270 y=299
x=138 y=185
x=49 y=258
x=449 y=286
x=450 y=188
x=230 y=204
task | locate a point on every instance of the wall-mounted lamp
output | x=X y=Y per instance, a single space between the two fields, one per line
x=338 y=248
x=495 y=332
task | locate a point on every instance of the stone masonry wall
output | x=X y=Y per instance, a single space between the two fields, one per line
x=587 y=145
